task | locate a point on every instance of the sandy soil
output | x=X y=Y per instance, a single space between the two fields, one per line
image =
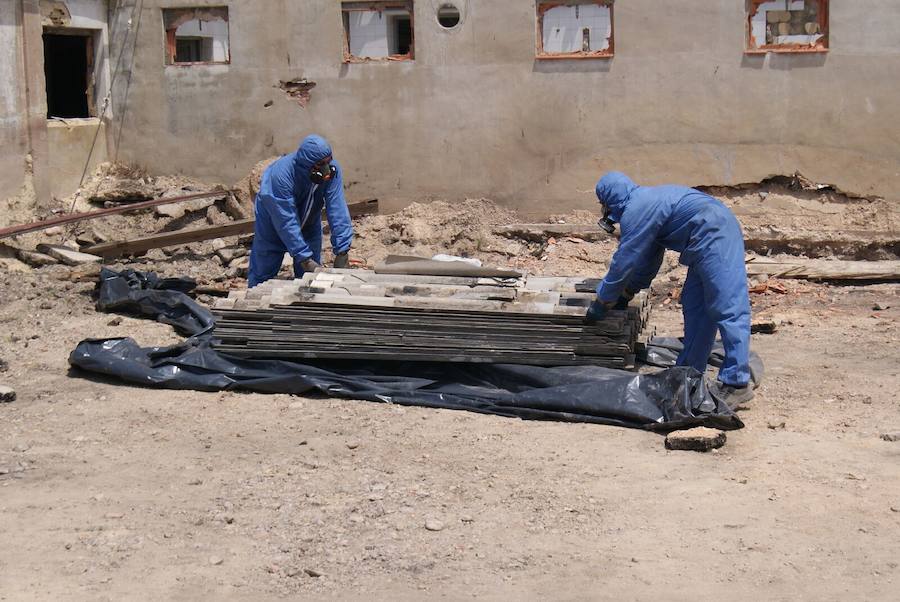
x=117 y=492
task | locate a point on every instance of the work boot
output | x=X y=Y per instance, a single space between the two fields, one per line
x=733 y=397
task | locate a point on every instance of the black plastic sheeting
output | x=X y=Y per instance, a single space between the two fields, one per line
x=663 y=351
x=671 y=398
x=162 y=299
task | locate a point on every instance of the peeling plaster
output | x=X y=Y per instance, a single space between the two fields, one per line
x=55 y=14
x=298 y=88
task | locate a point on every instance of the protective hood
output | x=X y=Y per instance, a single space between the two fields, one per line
x=613 y=190
x=313 y=149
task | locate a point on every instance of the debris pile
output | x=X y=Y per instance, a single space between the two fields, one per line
x=481 y=228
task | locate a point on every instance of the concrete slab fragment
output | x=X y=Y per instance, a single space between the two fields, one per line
x=35 y=259
x=67 y=255
x=695 y=439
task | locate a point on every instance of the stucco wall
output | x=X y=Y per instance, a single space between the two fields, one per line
x=13 y=123
x=476 y=115
x=71 y=142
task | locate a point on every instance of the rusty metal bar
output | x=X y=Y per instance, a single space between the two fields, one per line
x=77 y=217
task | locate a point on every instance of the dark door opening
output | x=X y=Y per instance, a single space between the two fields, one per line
x=404 y=35
x=66 y=65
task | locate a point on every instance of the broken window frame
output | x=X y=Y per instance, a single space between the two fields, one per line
x=184 y=15
x=377 y=6
x=821 y=45
x=91 y=35
x=543 y=7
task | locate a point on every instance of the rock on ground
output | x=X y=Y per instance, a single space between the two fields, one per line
x=695 y=439
x=7 y=394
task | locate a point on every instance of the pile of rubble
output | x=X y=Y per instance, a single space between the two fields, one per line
x=472 y=228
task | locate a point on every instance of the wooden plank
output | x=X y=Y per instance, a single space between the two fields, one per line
x=821 y=269
x=168 y=239
x=181 y=237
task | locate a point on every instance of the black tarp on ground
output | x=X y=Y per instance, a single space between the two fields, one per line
x=665 y=400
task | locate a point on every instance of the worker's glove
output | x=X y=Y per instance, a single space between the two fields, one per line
x=309 y=265
x=624 y=299
x=342 y=260
x=597 y=311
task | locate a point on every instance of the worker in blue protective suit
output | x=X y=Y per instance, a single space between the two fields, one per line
x=289 y=208
x=714 y=297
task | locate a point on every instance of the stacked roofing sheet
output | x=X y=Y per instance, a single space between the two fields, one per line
x=361 y=314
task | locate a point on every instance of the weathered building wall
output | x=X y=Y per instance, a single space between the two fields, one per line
x=74 y=143
x=13 y=123
x=476 y=115
x=50 y=157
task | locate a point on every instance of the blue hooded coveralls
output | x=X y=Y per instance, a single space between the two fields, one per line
x=709 y=238
x=288 y=213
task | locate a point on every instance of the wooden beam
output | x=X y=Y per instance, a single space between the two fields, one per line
x=182 y=237
x=821 y=269
x=168 y=239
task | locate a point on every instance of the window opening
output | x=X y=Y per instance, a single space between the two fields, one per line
x=788 y=26
x=448 y=16
x=575 y=29
x=378 y=31
x=68 y=72
x=197 y=35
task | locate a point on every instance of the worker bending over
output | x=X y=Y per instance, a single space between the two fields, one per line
x=289 y=212
x=714 y=297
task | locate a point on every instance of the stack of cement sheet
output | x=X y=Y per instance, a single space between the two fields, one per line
x=361 y=314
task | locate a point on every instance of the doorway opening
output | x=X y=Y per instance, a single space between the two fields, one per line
x=68 y=71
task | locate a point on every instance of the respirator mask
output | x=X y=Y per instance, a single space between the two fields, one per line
x=322 y=171
x=606 y=222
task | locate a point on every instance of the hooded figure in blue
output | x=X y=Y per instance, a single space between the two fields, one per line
x=288 y=212
x=709 y=238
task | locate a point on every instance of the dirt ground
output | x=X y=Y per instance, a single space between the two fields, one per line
x=115 y=492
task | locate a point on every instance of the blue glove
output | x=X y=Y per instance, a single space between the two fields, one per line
x=597 y=311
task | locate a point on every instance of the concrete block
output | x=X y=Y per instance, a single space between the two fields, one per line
x=811 y=28
x=239 y=268
x=86 y=272
x=695 y=439
x=34 y=259
x=234 y=208
x=229 y=254
x=68 y=256
x=178 y=209
x=7 y=394
x=215 y=217
x=175 y=211
x=784 y=29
